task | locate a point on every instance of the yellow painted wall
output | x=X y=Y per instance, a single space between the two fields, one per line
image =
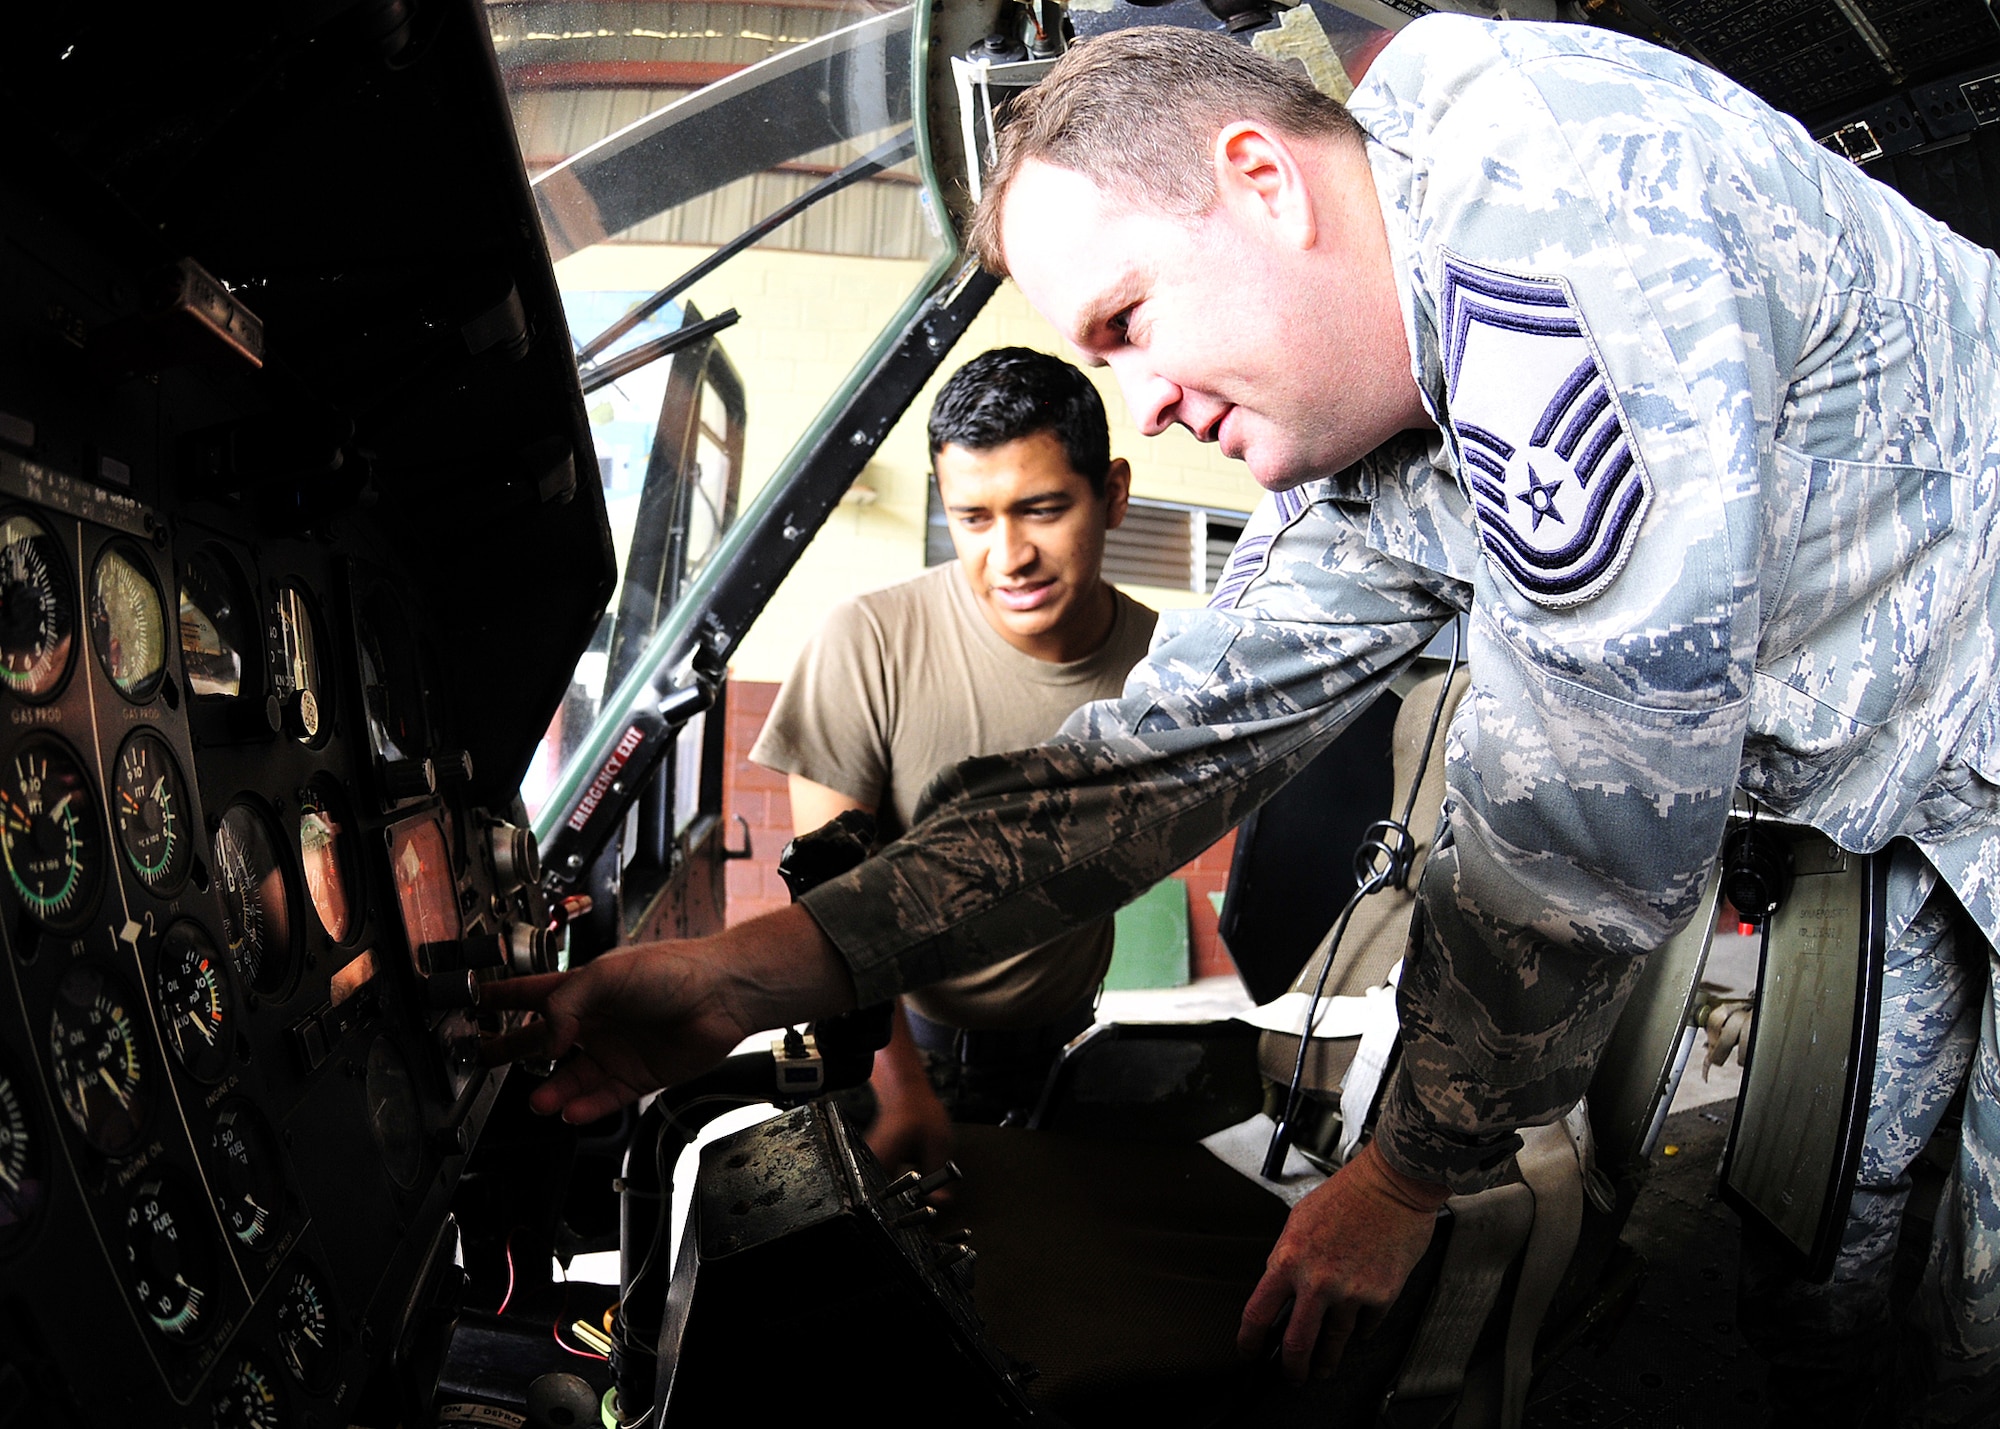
x=807 y=319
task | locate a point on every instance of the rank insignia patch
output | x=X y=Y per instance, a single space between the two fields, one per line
x=1556 y=487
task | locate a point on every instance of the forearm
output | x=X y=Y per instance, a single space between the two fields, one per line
x=775 y=970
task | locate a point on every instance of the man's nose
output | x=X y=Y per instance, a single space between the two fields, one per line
x=1152 y=398
x=1013 y=549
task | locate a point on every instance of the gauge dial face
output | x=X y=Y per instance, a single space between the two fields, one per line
x=250 y=1181
x=169 y=1259
x=393 y=1114
x=426 y=887
x=296 y=678
x=306 y=1336
x=128 y=622
x=194 y=1000
x=256 y=905
x=23 y=1169
x=37 y=610
x=393 y=680
x=99 y=1067
x=247 y=1397
x=49 y=834
x=149 y=806
x=323 y=855
x=217 y=637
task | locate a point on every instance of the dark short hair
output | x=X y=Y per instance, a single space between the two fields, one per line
x=1136 y=111
x=1014 y=392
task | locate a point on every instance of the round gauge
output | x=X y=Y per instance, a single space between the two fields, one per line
x=149 y=805
x=37 y=610
x=250 y=1181
x=246 y=1397
x=392 y=679
x=256 y=905
x=194 y=1000
x=306 y=1336
x=324 y=854
x=99 y=1068
x=169 y=1259
x=128 y=622
x=49 y=834
x=216 y=625
x=296 y=678
x=23 y=1170
x=393 y=1114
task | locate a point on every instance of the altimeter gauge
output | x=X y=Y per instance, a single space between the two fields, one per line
x=49 y=834
x=37 y=610
x=128 y=622
x=149 y=806
x=256 y=904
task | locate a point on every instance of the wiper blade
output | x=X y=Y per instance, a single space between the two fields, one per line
x=872 y=162
x=632 y=359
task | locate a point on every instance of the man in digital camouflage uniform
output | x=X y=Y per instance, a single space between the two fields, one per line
x=1701 y=426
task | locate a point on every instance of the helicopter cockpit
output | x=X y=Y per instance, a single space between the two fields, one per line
x=405 y=415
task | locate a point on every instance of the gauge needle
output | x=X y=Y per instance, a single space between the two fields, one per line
x=200 y=1025
x=116 y=1090
x=303 y=1330
x=13 y=1184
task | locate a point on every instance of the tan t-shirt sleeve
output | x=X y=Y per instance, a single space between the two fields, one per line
x=830 y=722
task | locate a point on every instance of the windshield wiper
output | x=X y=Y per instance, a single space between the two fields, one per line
x=873 y=162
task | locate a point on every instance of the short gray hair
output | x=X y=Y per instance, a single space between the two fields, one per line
x=1137 y=112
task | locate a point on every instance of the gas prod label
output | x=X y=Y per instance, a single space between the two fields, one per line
x=594 y=795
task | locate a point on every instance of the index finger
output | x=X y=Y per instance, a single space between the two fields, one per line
x=1267 y=1305
x=517 y=994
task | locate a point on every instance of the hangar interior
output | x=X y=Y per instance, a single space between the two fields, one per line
x=395 y=456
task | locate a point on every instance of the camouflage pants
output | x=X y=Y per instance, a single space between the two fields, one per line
x=1939 y=1363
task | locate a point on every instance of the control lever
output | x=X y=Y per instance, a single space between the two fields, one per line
x=846 y=1043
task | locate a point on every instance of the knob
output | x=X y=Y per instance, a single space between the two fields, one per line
x=299 y=715
x=447 y=990
x=454 y=767
x=409 y=778
x=482 y=950
x=527 y=948
x=516 y=859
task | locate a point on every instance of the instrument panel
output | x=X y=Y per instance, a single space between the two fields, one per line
x=241 y=911
x=284 y=387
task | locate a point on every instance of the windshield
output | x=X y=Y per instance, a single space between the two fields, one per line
x=658 y=137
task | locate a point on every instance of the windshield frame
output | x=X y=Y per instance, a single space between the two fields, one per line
x=665 y=665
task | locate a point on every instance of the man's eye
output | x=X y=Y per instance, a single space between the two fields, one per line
x=1121 y=321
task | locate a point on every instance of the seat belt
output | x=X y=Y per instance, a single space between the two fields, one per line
x=1488 y=1230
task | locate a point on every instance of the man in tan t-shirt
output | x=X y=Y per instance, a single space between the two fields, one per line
x=984 y=655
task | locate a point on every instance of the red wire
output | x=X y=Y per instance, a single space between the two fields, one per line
x=556 y=1330
x=508 y=1298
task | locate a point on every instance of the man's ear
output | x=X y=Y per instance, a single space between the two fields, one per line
x=1262 y=176
x=1117 y=492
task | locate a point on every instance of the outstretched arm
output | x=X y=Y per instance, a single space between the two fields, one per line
x=655 y=1014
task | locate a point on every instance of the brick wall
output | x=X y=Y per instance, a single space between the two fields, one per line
x=759 y=797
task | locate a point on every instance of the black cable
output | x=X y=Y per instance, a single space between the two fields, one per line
x=1383 y=860
x=665 y=1189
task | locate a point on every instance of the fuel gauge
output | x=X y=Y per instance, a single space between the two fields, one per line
x=169 y=1259
x=149 y=803
x=128 y=622
x=250 y=1179
x=37 y=610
